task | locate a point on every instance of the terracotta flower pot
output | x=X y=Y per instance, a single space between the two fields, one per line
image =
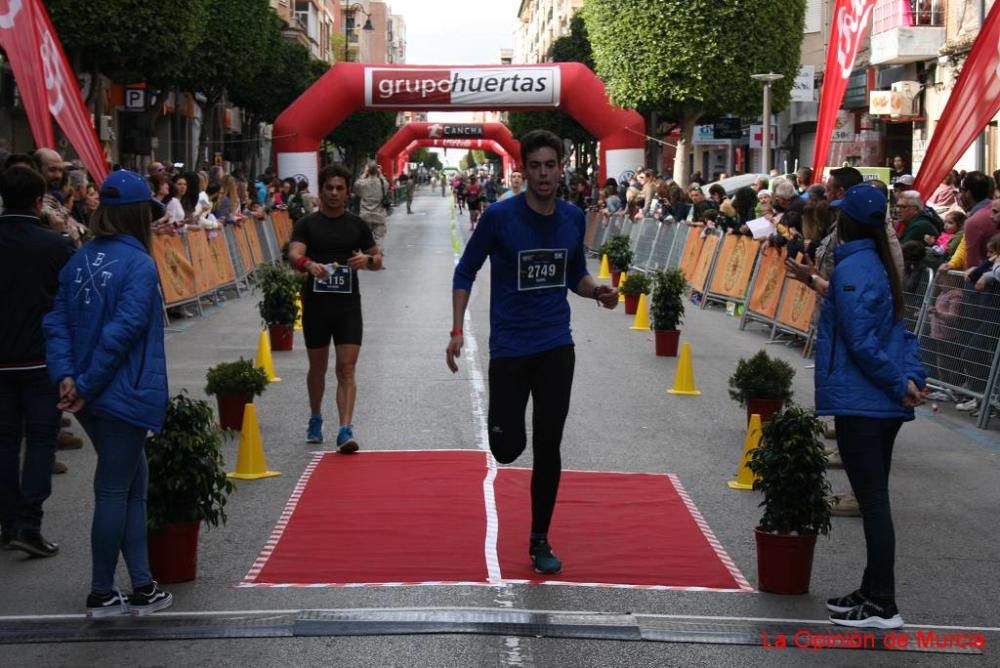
x=765 y=408
x=282 y=337
x=631 y=304
x=616 y=277
x=231 y=409
x=666 y=342
x=784 y=563
x=173 y=552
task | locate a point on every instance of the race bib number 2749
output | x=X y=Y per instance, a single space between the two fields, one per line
x=541 y=268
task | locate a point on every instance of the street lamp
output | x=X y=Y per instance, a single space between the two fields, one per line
x=368 y=27
x=765 y=138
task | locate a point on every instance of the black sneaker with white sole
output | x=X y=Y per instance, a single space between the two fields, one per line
x=869 y=615
x=112 y=604
x=147 y=600
x=845 y=603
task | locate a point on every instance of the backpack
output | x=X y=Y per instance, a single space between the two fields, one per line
x=296 y=207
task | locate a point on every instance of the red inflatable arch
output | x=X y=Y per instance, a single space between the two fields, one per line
x=487 y=144
x=497 y=132
x=350 y=87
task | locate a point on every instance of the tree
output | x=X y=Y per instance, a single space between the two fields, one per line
x=429 y=159
x=573 y=47
x=362 y=135
x=693 y=58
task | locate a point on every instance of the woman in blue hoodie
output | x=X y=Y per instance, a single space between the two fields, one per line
x=869 y=377
x=104 y=340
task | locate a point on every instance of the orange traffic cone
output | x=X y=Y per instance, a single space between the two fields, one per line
x=641 y=321
x=684 y=380
x=263 y=358
x=745 y=477
x=250 y=462
x=605 y=269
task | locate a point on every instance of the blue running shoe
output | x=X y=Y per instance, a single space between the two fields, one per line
x=345 y=440
x=541 y=555
x=315 y=431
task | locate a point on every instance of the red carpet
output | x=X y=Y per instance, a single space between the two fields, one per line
x=398 y=517
x=611 y=528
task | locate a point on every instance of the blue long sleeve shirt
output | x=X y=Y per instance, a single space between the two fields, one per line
x=534 y=260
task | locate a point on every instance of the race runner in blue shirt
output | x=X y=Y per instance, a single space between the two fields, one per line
x=535 y=245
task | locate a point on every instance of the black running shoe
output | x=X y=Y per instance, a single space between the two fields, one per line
x=541 y=555
x=111 y=604
x=149 y=599
x=869 y=615
x=845 y=603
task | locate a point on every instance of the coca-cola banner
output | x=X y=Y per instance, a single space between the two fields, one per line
x=973 y=103
x=850 y=20
x=65 y=101
x=20 y=41
x=458 y=87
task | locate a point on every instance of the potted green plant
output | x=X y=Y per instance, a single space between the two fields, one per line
x=187 y=486
x=762 y=383
x=234 y=385
x=278 y=305
x=789 y=467
x=619 y=253
x=635 y=284
x=666 y=309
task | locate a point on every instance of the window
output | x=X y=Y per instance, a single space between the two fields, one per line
x=889 y=14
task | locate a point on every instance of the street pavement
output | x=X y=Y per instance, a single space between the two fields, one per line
x=945 y=488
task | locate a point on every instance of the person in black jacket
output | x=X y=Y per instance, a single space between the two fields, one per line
x=31 y=256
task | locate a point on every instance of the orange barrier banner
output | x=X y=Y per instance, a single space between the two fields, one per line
x=256 y=243
x=767 y=288
x=692 y=248
x=203 y=272
x=798 y=305
x=176 y=272
x=734 y=266
x=705 y=258
x=222 y=263
x=282 y=227
x=241 y=232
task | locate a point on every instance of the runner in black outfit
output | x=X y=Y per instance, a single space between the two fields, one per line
x=339 y=245
x=535 y=246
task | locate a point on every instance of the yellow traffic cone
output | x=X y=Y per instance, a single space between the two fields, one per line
x=605 y=269
x=250 y=462
x=745 y=477
x=263 y=358
x=298 y=318
x=641 y=322
x=684 y=380
x=621 y=282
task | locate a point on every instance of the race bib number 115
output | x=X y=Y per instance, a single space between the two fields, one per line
x=541 y=268
x=339 y=280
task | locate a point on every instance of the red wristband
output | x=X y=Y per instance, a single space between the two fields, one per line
x=301 y=262
x=456 y=332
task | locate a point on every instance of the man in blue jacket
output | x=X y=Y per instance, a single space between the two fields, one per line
x=535 y=245
x=31 y=256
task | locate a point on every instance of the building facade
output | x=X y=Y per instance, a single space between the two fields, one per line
x=542 y=22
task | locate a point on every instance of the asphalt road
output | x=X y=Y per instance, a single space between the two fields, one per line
x=945 y=486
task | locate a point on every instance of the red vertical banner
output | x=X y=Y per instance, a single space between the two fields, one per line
x=973 y=103
x=19 y=38
x=65 y=101
x=847 y=30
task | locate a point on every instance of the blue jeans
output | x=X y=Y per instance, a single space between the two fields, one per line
x=27 y=410
x=865 y=446
x=119 y=501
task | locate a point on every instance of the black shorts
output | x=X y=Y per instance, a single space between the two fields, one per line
x=323 y=319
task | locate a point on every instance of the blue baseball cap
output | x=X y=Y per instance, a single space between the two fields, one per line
x=125 y=187
x=863 y=203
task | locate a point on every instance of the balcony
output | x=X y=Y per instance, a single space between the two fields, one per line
x=906 y=31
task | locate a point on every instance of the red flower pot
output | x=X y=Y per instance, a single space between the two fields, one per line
x=231 y=409
x=784 y=563
x=765 y=408
x=631 y=304
x=616 y=277
x=173 y=552
x=282 y=337
x=666 y=342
